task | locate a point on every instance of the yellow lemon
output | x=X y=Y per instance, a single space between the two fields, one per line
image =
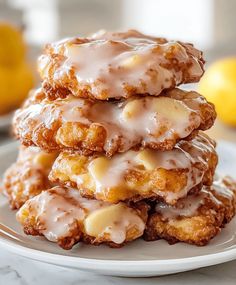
x=5 y=85
x=15 y=84
x=23 y=83
x=218 y=85
x=12 y=47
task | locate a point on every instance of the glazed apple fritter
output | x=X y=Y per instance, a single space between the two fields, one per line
x=63 y=216
x=117 y=65
x=110 y=127
x=135 y=175
x=28 y=175
x=197 y=218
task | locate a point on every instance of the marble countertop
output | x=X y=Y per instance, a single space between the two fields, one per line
x=15 y=270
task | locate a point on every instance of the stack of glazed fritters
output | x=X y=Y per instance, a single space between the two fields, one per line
x=111 y=150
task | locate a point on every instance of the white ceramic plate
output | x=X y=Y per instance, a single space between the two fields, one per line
x=139 y=258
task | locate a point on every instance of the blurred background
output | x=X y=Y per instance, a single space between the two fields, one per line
x=26 y=25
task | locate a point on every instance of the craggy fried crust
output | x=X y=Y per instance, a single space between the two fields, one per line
x=31 y=216
x=27 y=177
x=215 y=209
x=123 y=65
x=110 y=127
x=136 y=175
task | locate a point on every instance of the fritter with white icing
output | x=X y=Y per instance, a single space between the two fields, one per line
x=117 y=65
x=110 y=127
x=135 y=175
x=63 y=216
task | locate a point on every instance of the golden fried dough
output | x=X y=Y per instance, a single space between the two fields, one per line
x=63 y=216
x=117 y=65
x=111 y=127
x=197 y=218
x=28 y=176
x=135 y=175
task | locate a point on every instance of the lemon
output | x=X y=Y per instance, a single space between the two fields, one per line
x=218 y=85
x=15 y=83
x=5 y=85
x=12 y=47
x=23 y=82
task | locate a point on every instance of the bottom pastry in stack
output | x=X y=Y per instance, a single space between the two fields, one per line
x=62 y=215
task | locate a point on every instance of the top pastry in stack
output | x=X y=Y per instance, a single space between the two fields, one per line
x=120 y=145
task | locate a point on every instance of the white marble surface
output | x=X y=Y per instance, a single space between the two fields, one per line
x=15 y=270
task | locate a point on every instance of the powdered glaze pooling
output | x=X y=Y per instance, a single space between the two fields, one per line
x=115 y=64
x=127 y=220
x=148 y=119
x=58 y=211
x=122 y=62
x=113 y=220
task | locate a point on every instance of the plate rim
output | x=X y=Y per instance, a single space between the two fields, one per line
x=101 y=265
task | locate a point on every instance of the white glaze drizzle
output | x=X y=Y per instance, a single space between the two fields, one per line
x=60 y=209
x=150 y=123
x=198 y=153
x=154 y=120
x=222 y=190
x=188 y=207
x=109 y=54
